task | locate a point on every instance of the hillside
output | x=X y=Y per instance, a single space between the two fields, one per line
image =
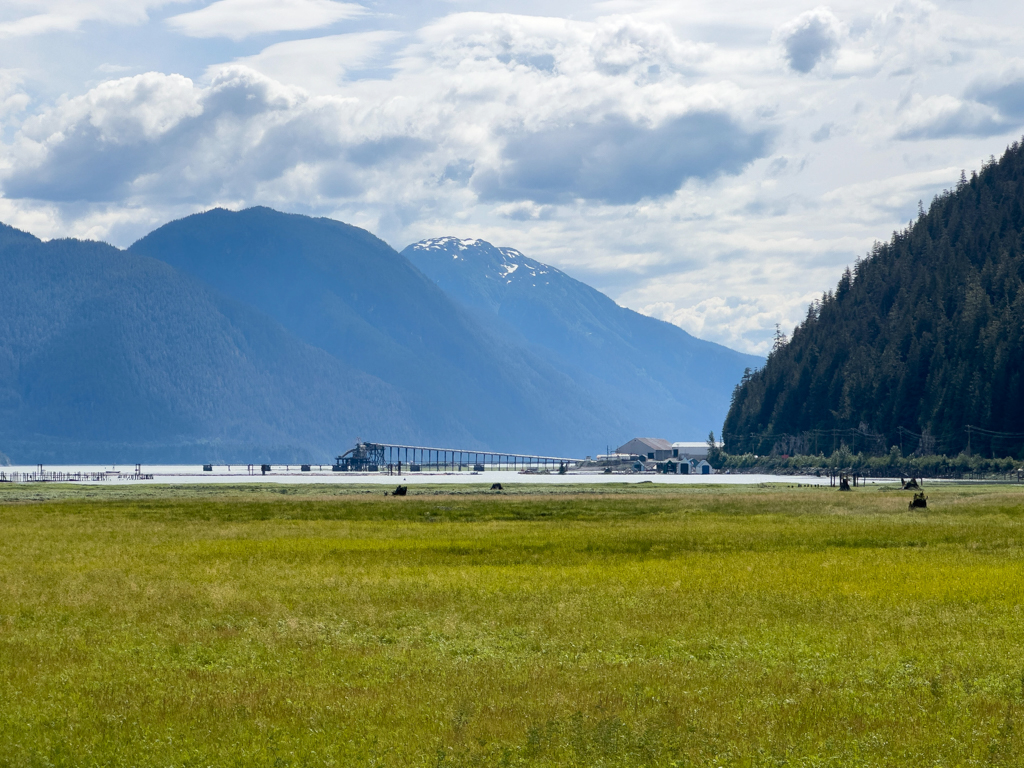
x=111 y=357
x=667 y=381
x=343 y=290
x=251 y=336
x=921 y=343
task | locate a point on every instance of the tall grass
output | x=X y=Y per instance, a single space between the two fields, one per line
x=704 y=627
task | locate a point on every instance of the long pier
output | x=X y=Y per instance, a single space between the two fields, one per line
x=373 y=457
x=45 y=476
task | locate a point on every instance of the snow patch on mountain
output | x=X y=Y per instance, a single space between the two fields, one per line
x=488 y=261
x=447 y=244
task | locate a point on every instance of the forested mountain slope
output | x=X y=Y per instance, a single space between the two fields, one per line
x=922 y=340
x=669 y=382
x=111 y=357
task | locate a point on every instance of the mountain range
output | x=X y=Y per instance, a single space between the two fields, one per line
x=257 y=336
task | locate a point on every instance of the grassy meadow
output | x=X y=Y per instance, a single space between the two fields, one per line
x=652 y=626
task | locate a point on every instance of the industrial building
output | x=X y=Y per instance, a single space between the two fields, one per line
x=683 y=458
x=691 y=450
x=653 y=448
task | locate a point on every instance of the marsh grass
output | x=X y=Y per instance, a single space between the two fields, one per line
x=706 y=627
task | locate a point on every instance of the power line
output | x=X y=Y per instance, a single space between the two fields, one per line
x=944 y=443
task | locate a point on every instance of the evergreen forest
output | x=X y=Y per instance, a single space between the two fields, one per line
x=920 y=346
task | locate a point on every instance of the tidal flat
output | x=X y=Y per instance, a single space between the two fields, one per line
x=568 y=626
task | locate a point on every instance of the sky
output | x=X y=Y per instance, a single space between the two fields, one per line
x=713 y=164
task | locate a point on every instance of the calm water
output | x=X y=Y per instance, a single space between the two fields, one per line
x=118 y=474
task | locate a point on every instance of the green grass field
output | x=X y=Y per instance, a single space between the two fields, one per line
x=272 y=626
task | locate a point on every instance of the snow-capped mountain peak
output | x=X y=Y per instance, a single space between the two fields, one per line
x=453 y=245
x=654 y=370
x=487 y=262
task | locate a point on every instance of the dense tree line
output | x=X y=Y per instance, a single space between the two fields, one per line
x=891 y=464
x=922 y=339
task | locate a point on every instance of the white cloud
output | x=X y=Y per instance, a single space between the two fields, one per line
x=318 y=64
x=35 y=17
x=810 y=38
x=1004 y=92
x=154 y=136
x=740 y=322
x=937 y=117
x=238 y=19
x=443 y=128
x=120 y=222
x=121 y=111
x=13 y=98
x=622 y=43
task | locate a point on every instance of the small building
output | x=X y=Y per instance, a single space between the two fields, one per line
x=684 y=467
x=653 y=448
x=691 y=450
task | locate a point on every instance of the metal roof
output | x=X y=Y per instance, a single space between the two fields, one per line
x=654 y=443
